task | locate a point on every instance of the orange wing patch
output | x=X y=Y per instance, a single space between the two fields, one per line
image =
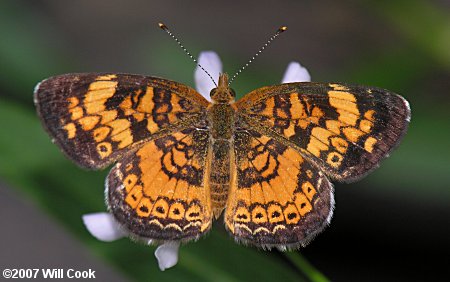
x=160 y=191
x=277 y=198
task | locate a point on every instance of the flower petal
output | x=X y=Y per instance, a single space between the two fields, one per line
x=296 y=73
x=210 y=61
x=167 y=255
x=103 y=226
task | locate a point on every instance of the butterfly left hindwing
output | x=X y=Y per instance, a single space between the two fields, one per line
x=161 y=191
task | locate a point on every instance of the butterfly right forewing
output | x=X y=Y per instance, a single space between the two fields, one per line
x=344 y=130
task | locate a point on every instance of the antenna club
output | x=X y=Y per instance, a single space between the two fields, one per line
x=162 y=26
x=282 y=29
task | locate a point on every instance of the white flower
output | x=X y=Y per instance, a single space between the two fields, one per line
x=212 y=63
x=104 y=227
x=167 y=254
x=296 y=73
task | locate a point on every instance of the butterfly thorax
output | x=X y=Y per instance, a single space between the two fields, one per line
x=221 y=118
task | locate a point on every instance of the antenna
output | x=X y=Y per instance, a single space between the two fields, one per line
x=279 y=31
x=166 y=29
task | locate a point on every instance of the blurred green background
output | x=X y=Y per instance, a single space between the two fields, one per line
x=392 y=225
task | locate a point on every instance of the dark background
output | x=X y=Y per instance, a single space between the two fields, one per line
x=391 y=226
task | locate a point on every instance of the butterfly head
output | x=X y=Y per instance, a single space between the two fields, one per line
x=223 y=93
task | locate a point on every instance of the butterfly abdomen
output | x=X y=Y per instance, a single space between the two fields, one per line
x=219 y=178
x=221 y=118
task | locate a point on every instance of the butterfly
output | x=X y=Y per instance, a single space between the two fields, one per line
x=265 y=161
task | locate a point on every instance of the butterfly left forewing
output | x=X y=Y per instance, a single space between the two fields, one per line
x=96 y=118
x=344 y=130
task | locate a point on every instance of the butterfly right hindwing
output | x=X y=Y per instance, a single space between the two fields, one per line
x=277 y=198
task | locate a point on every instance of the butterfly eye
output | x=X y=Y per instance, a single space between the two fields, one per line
x=232 y=93
x=213 y=92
